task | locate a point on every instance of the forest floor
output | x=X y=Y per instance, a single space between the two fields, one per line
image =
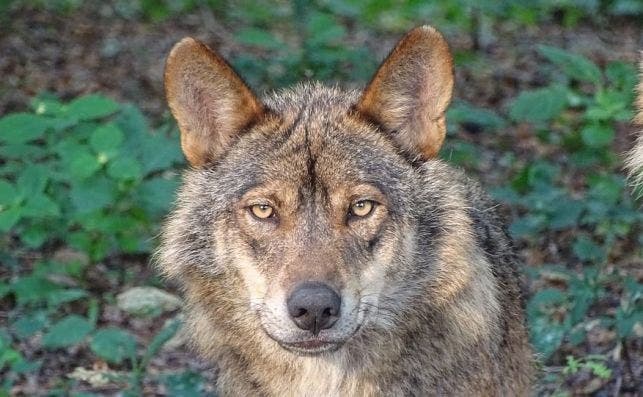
x=95 y=50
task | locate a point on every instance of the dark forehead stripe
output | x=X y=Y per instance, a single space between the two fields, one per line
x=317 y=133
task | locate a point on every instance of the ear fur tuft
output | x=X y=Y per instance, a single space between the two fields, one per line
x=208 y=99
x=411 y=91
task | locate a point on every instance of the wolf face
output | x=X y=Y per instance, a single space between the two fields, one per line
x=311 y=223
x=322 y=247
x=309 y=201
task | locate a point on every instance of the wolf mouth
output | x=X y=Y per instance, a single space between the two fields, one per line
x=311 y=346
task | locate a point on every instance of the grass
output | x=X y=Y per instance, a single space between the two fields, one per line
x=85 y=183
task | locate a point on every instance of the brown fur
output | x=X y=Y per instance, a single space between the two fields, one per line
x=635 y=158
x=430 y=295
x=209 y=101
x=411 y=91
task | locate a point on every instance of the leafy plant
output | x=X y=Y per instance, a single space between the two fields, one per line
x=87 y=173
x=575 y=115
x=90 y=176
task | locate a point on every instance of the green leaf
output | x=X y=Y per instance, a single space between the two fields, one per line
x=625 y=322
x=258 y=38
x=93 y=194
x=539 y=105
x=132 y=122
x=323 y=29
x=545 y=336
x=68 y=331
x=157 y=194
x=586 y=249
x=462 y=112
x=22 y=127
x=526 y=226
x=32 y=289
x=40 y=206
x=91 y=107
x=622 y=75
x=168 y=331
x=123 y=168
x=185 y=384
x=599 y=369
x=83 y=165
x=47 y=105
x=9 y=217
x=564 y=213
x=113 y=345
x=35 y=235
x=573 y=365
x=29 y=324
x=606 y=188
x=8 y=193
x=597 y=135
x=106 y=139
x=626 y=7
x=32 y=180
x=544 y=297
x=58 y=297
x=575 y=66
x=155 y=151
x=21 y=151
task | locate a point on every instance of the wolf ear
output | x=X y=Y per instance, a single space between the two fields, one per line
x=208 y=99
x=411 y=90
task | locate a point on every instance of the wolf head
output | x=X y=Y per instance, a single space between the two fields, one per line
x=299 y=218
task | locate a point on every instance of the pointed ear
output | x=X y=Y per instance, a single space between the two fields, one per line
x=411 y=90
x=208 y=99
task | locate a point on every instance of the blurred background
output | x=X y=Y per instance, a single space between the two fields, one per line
x=90 y=159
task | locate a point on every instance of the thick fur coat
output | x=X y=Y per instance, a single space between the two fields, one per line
x=341 y=188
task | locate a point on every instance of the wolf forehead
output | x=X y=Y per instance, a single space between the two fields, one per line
x=312 y=138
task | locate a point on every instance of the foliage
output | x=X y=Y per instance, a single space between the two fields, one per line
x=87 y=174
x=576 y=115
x=90 y=177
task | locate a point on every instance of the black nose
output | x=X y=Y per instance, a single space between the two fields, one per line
x=314 y=306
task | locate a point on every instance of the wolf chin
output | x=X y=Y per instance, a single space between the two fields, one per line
x=324 y=249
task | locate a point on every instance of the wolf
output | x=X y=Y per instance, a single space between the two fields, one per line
x=634 y=161
x=322 y=247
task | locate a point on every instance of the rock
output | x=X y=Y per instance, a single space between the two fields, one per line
x=147 y=301
x=95 y=377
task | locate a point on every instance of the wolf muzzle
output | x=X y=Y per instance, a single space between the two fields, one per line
x=314 y=306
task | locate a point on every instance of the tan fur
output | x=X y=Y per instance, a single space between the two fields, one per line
x=430 y=298
x=418 y=71
x=207 y=99
x=634 y=160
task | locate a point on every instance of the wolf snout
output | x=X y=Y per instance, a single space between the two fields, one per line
x=314 y=306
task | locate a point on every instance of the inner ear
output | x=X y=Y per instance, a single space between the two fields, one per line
x=210 y=102
x=411 y=91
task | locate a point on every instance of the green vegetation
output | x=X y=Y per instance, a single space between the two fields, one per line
x=89 y=175
x=84 y=185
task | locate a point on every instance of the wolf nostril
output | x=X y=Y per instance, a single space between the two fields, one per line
x=314 y=306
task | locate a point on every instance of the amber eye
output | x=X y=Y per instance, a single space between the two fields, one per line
x=262 y=211
x=362 y=208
